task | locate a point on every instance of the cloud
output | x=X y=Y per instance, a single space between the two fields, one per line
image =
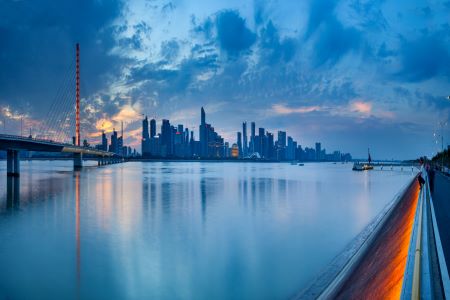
x=285 y=110
x=424 y=58
x=233 y=34
x=361 y=107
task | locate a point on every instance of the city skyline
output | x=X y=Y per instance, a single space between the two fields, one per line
x=177 y=141
x=355 y=74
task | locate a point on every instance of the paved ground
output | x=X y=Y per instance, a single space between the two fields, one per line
x=441 y=199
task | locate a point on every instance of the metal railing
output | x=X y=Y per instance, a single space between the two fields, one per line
x=52 y=143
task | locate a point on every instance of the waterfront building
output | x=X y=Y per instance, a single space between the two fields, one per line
x=281 y=139
x=234 y=151
x=239 y=143
x=290 y=150
x=113 y=147
x=270 y=146
x=252 y=137
x=104 y=145
x=166 y=138
x=244 y=137
x=145 y=143
x=318 y=152
x=178 y=141
x=203 y=134
x=152 y=128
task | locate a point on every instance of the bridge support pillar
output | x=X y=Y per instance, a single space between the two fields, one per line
x=77 y=161
x=12 y=163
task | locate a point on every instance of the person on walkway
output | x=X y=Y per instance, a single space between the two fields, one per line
x=422 y=173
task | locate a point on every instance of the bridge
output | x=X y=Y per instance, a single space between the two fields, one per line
x=403 y=254
x=14 y=144
x=56 y=119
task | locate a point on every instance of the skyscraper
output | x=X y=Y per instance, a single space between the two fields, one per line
x=252 y=138
x=244 y=136
x=318 y=151
x=166 y=138
x=239 y=143
x=261 y=141
x=145 y=143
x=104 y=142
x=113 y=147
x=282 y=139
x=152 y=128
x=203 y=135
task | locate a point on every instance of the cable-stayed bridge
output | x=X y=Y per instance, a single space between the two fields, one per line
x=61 y=125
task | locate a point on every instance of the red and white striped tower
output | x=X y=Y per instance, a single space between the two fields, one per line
x=77 y=118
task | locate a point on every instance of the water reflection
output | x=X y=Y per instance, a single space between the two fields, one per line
x=180 y=230
x=12 y=192
x=77 y=230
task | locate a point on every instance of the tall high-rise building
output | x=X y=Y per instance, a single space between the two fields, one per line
x=152 y=128
x=104 y=142
x=290 y=151
x=269 y=146
x=166 y=137
x=318 y=151
x=281 y=139
x=120 y=145
x=244 y=137
x=145 y=142
x=239 y=143
x=252 y=137
x=261 y=142
x=203 y=135
x=114 y=145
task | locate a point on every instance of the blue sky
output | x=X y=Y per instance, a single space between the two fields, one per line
x=352 y=74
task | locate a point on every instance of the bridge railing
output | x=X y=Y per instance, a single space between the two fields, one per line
x=26 y=139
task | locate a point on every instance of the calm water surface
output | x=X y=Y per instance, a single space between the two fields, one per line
x=180 y=230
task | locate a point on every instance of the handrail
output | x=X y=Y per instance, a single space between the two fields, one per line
x=51 y=142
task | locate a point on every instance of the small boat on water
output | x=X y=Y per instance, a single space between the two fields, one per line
x=301 y=165
x=357 y=166
x=361 y=167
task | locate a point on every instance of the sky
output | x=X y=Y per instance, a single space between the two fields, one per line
x=352 y=74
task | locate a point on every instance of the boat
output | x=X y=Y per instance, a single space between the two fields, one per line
x=357 y=166
x=301 y=165
x=361 y=167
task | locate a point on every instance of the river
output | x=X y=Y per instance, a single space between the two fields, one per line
x=180 y=230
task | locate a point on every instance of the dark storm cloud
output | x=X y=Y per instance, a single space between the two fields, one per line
x=332 y=39
x=276 y=49
x=424 y=58
x=233 y=34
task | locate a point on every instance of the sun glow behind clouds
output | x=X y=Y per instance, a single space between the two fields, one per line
x=282 y=109
x=361 y=107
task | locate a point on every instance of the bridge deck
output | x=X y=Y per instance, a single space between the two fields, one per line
x=30 y=144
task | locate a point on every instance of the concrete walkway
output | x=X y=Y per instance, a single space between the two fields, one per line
x=440 y=191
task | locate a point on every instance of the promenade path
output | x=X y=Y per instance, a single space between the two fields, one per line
x=440 y=191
